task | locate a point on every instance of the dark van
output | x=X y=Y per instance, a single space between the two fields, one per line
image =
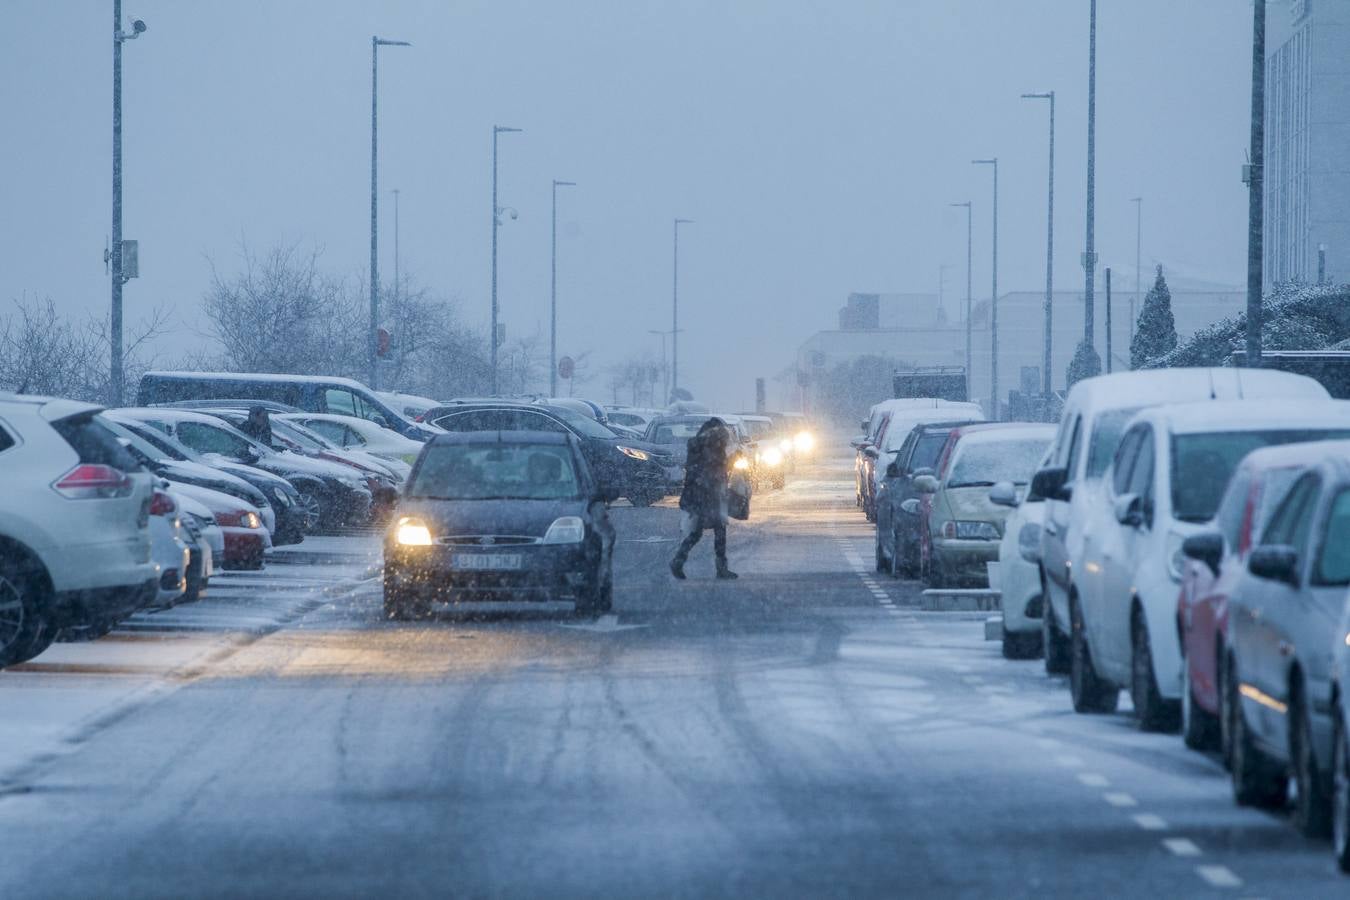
x=312 y=393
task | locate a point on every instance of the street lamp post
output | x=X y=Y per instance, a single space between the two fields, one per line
x=1047 y=356
x=553 y=296
x=1090 y=255
x=115 y=247
x=1255 y=180
x=373 y=339
x=496 y=223
x=970 y=234
x=1138 y=242
x=993 y=300
x=675 y=310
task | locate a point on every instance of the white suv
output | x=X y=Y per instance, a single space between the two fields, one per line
x=74 y=516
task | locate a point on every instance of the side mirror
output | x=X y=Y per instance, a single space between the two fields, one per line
x=910 y=507
x=1276 y=562
x=923 y=470
x=864 y=425
x=871 y=452
x=893 y=470
x=1205 y=547
x=857 y=442
x=926 y=484
x=1004 y=494
x=1129 y=510
x=1052 y=484
x=251 y=454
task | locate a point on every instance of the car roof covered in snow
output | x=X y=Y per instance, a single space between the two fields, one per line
x=1123 y=390
x=1247 y=415
x=500 y=437
x=1313 y=453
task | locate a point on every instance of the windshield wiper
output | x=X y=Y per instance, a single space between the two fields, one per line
x=961 y=484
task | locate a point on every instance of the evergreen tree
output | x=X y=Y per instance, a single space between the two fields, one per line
x=1085 y=364
x=1156 y=332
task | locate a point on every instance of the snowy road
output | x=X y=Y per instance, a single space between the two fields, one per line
x=794 y=733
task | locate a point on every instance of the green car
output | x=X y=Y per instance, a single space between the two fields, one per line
x=964 y=525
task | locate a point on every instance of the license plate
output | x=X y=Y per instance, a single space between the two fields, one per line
x=489 y=562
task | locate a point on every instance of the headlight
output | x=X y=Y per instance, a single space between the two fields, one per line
x=970 y=531
x=282 y=497
x=741 y=464
x=566 y=530
x=805 y=442
x=634 y=452
x=413 y=533
x=772 y=457
x=785 y=445
x=1176 y=560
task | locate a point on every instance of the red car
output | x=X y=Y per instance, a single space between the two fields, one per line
x=1214 y=560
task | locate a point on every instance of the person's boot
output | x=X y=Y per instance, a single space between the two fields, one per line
x=677 y=569
x=725 y=573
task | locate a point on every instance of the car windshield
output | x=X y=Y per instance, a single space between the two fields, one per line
x=674 y=432
x=1203 y=463
x=138 y=443
x=927 y=450
x=986 y=463
x=300 y=435
x=496 y=472
x=1106 y=432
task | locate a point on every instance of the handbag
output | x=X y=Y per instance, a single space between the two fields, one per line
x=738 y=497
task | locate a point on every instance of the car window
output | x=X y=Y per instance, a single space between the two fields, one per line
x=1141 y=473
x=528 y=420
x=1106 y=431
x=94 y=444
x=6 y=440
x=1232 y=511
x=330 y=430
x=353 y=438
x=1333 y=558
x=497 y=472
x=1287 y=523
x=206 y=439
x=1124 y=462
x=340 y=402
x=927 y=449
x=1071 y=458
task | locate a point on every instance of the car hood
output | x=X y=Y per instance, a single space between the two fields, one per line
x=208 y=477
x=529 y=518
x=252 y=474
x=289 y=465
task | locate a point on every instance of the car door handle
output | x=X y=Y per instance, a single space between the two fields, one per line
x=1051 y=529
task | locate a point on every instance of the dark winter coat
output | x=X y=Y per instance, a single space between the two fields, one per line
x=704 y=496
x=258 y=426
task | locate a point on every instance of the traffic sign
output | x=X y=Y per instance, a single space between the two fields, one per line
x=567 y=367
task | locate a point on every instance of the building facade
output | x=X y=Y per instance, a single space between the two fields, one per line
x=1307 y=164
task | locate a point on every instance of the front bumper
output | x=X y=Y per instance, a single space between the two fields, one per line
x=964 y=559
x=547 y=572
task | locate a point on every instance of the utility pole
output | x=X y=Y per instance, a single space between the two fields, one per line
x=116 y=375
x=1090 y=254
x=1108 y=318
x=496 y=223
x=396 y=281
x=675 y=311
x=373 y=339
x=1138 y=242
x=1255 y=181
x=1047 y=355
x=993 y=301
x=970 y=235
x=553 y=300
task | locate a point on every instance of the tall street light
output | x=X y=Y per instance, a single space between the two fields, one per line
x=970 y=234
x=993 y=300
x=553 y=296
x=675 y=310
x=1138 y=242
x=396 y=276
x=665 y=369
x=1090 y=253
x=372 y=341
x=115 y=248
x=1255 y=179
x=1049 y=250
x=496 y=223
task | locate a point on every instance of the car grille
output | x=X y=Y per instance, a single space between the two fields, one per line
x=488 y=540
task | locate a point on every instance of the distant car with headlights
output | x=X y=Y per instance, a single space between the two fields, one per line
x=964 y=525
x=243 y=541
x=1164 y=484
x=500 y=515
x=628 y=468
x=672 y=433
x=770 y=463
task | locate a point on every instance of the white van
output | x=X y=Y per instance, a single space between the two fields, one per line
x=1095 y=414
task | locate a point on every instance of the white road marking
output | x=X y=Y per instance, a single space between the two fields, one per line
x=1092 y=779
x=1150 y=822
x=1119 y=799
x=1218 y=876
x=1181 y=847
x=1068 y=761
x=1048 y=742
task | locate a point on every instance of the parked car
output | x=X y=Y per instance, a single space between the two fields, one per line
x=74 y=525
x=1095 y=413
x=243 y=540
x=311 y=393
x=898 y=540
x=169 y=548
x=895 y=428
x=770 y=461
x=351 y=433
x=1019 y=573
x=632 y=469
x=331 y=496
x=631 y=416
x=500 y=515
x=964 y=527
x=282 y=513
x=410 y=406
x=876 y=423
x=1284 y=620
x=1216 y=558
x=209 y=551
x=1340 y=751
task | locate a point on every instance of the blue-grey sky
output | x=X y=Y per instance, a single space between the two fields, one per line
x=817 y=144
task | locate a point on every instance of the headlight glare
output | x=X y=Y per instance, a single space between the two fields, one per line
x=805 y=442
x=741 y=464
x=566 y=530
x=772 y=457
x=634 y=452
x=413 y=533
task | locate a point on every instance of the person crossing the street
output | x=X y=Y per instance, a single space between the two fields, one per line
x=704 y=497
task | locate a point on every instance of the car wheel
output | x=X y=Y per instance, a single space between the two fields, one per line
x=1053 y=642
x=1226 y=710
x=1257 y=780
x=933 y=575
x=401 y=606
x=907 y=563
x=1091 y=694
x=1340 y=813
x=1150 y=709
x=1199 y=727
x=1021 y=645
x=1312 y=793
x=24 y=632
x=883 y=565
x=311 y=509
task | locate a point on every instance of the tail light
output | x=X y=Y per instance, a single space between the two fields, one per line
x=161 y=504
x=239 y=519
x=93 y=482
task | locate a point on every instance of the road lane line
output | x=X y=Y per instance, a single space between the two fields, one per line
x=1119 y=799
x=1150 y=822
x=1068 y=761
x=1218 y=876
x=1181 y=846
x=1092 y=779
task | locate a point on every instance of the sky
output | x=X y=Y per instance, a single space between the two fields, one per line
x=816 y=145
